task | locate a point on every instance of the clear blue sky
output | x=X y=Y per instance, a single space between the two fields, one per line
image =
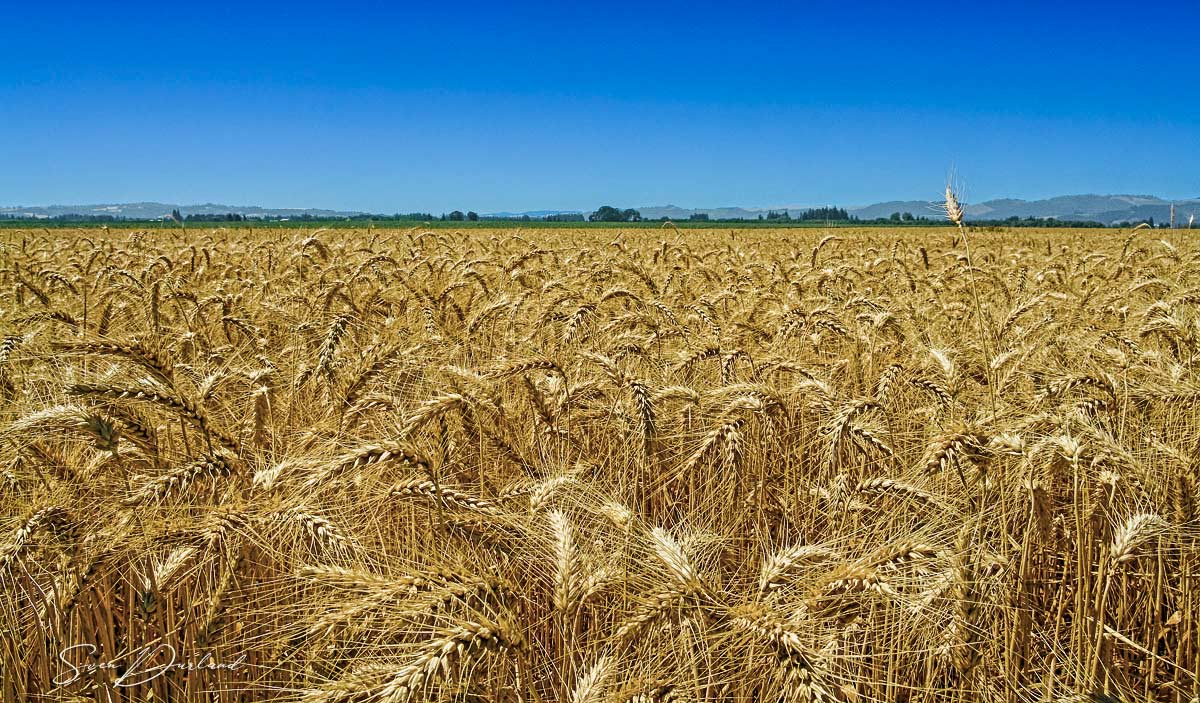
x=512 y=106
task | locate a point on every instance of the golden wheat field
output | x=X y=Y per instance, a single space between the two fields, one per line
x=597 y=465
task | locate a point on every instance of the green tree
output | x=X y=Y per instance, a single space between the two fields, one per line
x=605 y=213
x=456 y=216
x=825 y=213
x=473 y=216
x=608 y=213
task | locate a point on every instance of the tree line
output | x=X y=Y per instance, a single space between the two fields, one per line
x=605 y=213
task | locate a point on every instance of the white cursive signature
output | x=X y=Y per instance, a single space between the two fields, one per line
x=139 y=666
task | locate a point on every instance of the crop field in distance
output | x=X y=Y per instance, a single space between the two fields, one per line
x=586 y=466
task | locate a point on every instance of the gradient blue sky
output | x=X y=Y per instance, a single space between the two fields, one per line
x=392 y=107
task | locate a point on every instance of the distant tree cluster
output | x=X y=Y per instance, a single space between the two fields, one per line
x=398 y=217
x=565 y=217
x=819 y=214
x=213 y=217
x=608 y=213
x=825 y=214
x=1149 y=221
x=458 y=216
x=508 y=218
x=62 y=218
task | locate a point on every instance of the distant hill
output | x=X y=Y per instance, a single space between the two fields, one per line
x=1107 y=209
x=536 y=214
x=157 y=211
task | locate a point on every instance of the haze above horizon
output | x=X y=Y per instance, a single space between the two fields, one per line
x=366 y=106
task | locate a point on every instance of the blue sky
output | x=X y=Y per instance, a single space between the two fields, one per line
x=392 y=107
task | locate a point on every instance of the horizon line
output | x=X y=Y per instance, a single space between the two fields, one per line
x=335 y=209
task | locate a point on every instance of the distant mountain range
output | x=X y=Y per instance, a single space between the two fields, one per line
x=158 y=211
x=1107 y=209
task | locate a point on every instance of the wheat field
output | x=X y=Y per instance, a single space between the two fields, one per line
x=648 y=465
